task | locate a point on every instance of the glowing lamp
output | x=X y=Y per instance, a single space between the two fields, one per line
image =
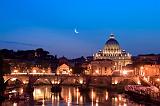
x=34 y=71
x=15 y=71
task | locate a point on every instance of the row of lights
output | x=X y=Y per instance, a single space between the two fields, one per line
x=33 y=72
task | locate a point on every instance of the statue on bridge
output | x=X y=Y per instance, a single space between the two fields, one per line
x=29 y=88
x=56 y=88
x=84 y=87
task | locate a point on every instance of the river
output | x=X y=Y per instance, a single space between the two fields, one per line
x=70 y=96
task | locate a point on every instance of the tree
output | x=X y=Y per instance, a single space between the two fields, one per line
x=2 y=84
x=41 y=53
x=77 y=69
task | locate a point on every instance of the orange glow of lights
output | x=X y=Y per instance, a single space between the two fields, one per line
x=158 y=79
x=43 y=71
x=115 y=82
x=13 y=79
x=138 y=82
x=115 y=99
x=15 y=71
x=15 y=104
x=34 y=71
x=97 y=71
x=106 y=95
x=81 y=81
x=125 y=72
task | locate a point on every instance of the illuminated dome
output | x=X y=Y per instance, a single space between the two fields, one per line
x=113 y=51
x=112 y=45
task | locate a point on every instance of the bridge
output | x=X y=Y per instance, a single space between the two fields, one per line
x=44 y=78
x=135 y=79
x=70 y=79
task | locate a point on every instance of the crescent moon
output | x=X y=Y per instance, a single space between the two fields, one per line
x=75 y=30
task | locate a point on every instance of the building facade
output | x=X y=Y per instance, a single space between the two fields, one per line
x=149 y=70
x=113 y=51
x=102 y=67
x=64 y=69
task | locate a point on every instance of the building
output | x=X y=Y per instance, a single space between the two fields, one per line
x=146 y=64
x=77 y=62
x=32 y=70
x=113 y=51
x=64 y=69
x=102 y=67
x=149 y=70
x=87 y=68
x=147 y=59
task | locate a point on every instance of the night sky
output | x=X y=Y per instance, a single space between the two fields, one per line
x=50 y=24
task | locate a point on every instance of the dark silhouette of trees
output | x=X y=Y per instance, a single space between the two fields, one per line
x=4 y=67
x=2 y=72
x=7 y=54
x=77 y=67
x=25 y=59
x=25 y=55
x=40 y=53
x=78 y=70
x=54 y=64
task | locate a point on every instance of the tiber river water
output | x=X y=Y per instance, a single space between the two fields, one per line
x=70 y=96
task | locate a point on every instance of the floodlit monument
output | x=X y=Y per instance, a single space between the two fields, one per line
x=113 y=51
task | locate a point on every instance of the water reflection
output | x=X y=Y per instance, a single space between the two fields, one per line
x=14 y=104
x=70 y=96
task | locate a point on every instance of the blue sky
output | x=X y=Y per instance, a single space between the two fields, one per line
x=29 y=24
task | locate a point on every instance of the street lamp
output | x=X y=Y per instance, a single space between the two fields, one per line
x=13 y=79
x=81 y=81
x=97 y=72
x=124 y=72
x=34 y=71
x=43 y=71
x=15 y=71
x=158 y=79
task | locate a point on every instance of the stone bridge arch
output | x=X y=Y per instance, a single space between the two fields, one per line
x=41 y=80
x=128 y=81
x=117 y=80
x=68 y=80
x=14 y=79
x=24 y=80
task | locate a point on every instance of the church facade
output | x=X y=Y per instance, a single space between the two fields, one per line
x=112 y=51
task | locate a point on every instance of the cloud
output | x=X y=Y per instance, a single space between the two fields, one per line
x=19 y=43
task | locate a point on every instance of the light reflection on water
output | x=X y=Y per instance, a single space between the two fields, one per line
x=70 y=96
